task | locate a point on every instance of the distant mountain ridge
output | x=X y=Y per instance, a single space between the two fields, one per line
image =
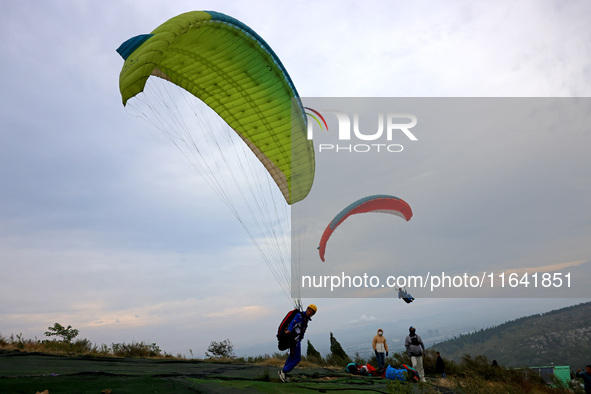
x=558 y=337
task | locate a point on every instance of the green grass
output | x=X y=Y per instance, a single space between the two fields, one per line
x=95 y=384
x=471 y=375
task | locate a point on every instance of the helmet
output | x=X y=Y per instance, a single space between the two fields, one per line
x=313 y=307
x=411 y=328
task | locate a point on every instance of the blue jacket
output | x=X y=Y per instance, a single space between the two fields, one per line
x=298 y=326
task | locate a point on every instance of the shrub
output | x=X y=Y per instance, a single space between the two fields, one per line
x=222 y=349
x=253 y=359
x=65 y=333
x=397 y=359
x=82 y=346
x=136 y=350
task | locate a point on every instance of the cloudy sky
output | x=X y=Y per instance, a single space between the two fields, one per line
x=105 y=226
x=495 y=184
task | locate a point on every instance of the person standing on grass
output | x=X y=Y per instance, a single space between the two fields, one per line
x=296 y=330
x=440 y=366
x=380 y=348
x=586 y=376
x=415 y=349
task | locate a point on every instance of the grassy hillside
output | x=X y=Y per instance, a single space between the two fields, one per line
x=24 y=372
x=560 y=337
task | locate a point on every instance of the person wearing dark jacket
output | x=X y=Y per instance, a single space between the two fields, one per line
x=297 y=329
x=586 y=376
x=415 y=349
x=440 y=366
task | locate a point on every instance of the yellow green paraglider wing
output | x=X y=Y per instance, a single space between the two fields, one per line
x=229 y=67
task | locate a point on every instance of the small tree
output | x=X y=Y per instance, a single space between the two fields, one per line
x=337 y=355
x=220 y=349
x=65 y=333
x=312 y=354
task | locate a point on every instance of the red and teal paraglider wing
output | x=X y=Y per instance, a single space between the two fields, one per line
x=377 y=203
